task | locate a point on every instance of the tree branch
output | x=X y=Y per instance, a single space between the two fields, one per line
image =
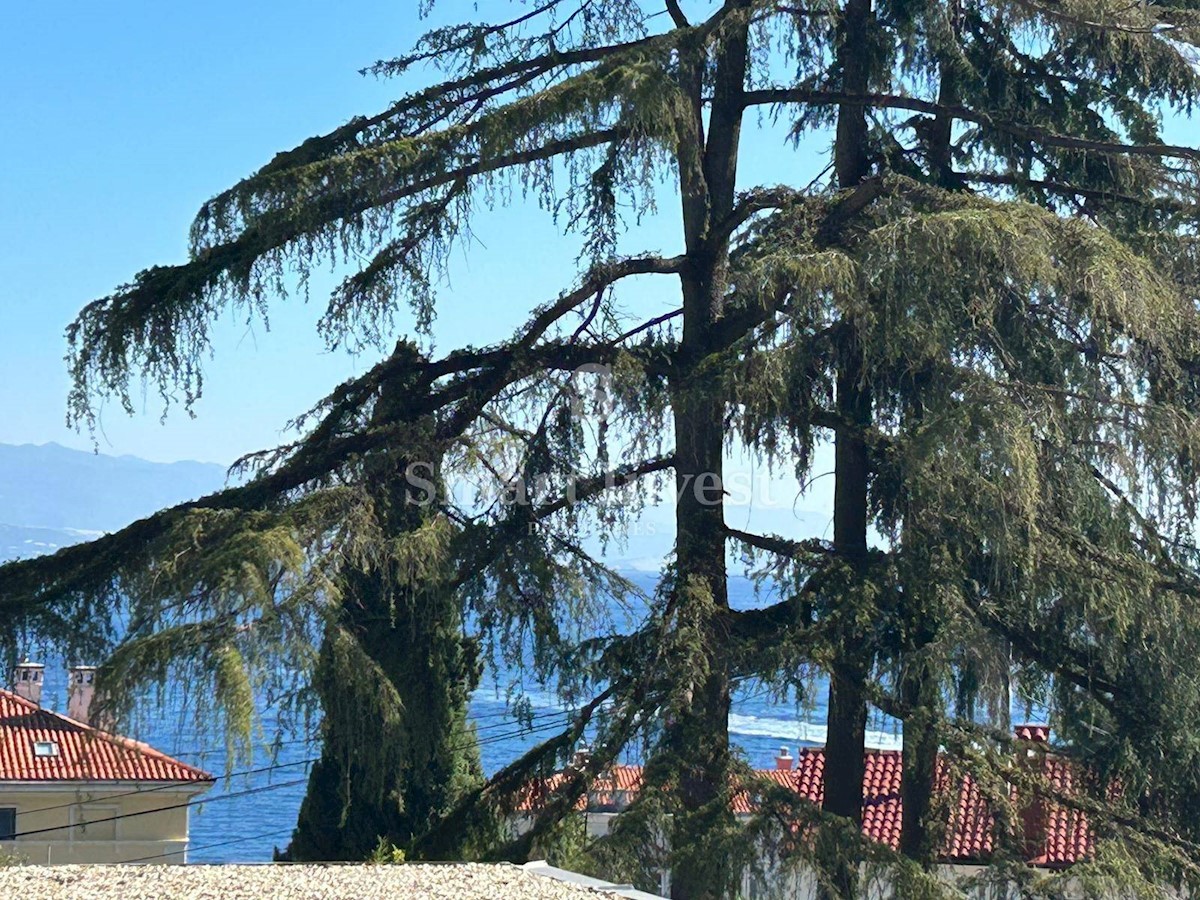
x=677 y=16
x=100 y=337
x=782 y=546
x=749 y=203
x=1104 y=27
x=1058 y=187
x=1028 y=132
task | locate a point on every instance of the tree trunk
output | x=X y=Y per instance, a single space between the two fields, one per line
x=920 y=839
x=920 y=836
x=845 y=742
x=388 y=774
x=697 y=742
x=394 y=678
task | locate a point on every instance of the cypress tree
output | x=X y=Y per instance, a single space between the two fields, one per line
x=393 y=679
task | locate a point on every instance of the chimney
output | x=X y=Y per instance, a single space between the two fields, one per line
x=784 y=761
x=1033 y=810
x=580 y=757
x=27 y=680
x=81 y=690
x=1039 y=734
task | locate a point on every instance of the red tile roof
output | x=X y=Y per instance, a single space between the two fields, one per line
x=1068 y=837
x=970 y=835
x=83 y=753
x=1040 y=733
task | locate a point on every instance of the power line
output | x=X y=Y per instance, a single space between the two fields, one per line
x=200 y=801
x=564 y=717
x=499 y=738
x=561 y=719
x=274 y=833
x=173 y=785
x=146 y=812
x=315 y=739
x=241 y=840
x=516 y=720
x=473 y=717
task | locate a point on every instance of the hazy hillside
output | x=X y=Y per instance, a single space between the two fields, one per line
x=51 y=496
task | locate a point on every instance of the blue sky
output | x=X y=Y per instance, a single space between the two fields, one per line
x=121 y=120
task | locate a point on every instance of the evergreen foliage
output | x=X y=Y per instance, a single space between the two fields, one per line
x=988 y=307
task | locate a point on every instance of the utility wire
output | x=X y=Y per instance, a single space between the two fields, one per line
x=314 y=740
x=241 y=840
x=565 y=719
x=200 y=801
x=172 y=785
x=562 y=719
x=251 y=837
x=146 y=812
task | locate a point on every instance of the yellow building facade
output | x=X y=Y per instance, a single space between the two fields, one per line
x=72 y=793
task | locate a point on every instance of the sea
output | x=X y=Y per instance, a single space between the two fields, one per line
x=251 y=810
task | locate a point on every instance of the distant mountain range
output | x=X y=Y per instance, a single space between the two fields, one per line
x=52 y=496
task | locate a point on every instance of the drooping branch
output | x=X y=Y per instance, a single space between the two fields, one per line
x=347 y=137
x=813 y=547
x=1075 y=666
x=1165 y=204
x=487 y=82
x=472 y=37
x=151 y=322
x=504 y=788
x=1146 y=28
x=742 y=318
x=752 y=202
x=483 y=544
x=1025 y=131
x=324 y=452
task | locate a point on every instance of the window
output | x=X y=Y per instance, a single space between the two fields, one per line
x=45 y=748
x=8 y=823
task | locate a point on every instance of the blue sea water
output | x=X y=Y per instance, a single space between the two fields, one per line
x=246 y=816
x=238 y=827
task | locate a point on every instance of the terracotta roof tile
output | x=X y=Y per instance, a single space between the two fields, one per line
x=1040 y=733
x=970 y=834
x=881 y=795
x=1068 y=836
x=83 y=753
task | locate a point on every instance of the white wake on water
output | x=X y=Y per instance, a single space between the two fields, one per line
x=799 y=731
x=782 y=728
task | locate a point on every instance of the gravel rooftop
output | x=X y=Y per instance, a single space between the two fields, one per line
x=295 y=882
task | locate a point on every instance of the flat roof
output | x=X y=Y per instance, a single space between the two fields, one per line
x=449 y=881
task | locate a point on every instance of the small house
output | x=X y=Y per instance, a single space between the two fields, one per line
x=73 y=793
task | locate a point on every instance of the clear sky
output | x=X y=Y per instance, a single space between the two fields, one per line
x=120 y=120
